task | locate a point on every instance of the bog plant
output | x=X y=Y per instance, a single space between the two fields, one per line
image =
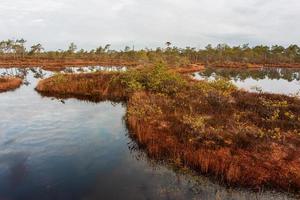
x=157 y=79
x=194 y=123
x=209 y=126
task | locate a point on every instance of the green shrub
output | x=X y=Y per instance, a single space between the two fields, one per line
x=157 y=79
x=60 y=78
x=132 y=80
x=221 y=85
x=194 y=123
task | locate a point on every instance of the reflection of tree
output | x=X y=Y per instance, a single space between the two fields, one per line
x=16 y=72
x=258 y=74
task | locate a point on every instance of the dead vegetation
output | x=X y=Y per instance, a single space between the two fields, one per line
x=9 y=83
x=98 y=86
x=219 y=135
x=14 y=52
x=249 y=65
x=59 y=64
x=242 y=138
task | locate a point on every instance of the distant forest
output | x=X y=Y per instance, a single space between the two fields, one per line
x=222 y=53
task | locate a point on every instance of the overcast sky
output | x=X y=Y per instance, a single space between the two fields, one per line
x=150 y=23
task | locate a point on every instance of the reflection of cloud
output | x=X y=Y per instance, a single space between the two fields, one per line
x=16 y=163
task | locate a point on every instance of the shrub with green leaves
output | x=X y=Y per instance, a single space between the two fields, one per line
x=157 y=79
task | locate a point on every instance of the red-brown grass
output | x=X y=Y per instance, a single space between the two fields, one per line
x=9 y=83
x=227 y=64
x=60 y=63
x=242 y=138
x=230 y=150
x=190 y=68
x=92 y=86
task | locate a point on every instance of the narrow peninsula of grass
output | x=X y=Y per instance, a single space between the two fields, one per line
x=92 y=86
x=9 y=83
x=245 y=139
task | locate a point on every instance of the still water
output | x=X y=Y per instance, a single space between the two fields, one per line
x=69 y=149
x=271 y=80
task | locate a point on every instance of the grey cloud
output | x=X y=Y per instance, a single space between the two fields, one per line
x=89 y=23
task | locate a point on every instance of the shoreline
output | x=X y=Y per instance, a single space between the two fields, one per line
x=215 y=129
x=253 y=65
x=61 y=63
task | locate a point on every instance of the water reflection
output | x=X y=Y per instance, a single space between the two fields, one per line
x=93 y=69
x=21 y=73
x=51 y=149
x=273 y=80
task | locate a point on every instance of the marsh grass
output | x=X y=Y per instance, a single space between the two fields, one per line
x=9 y=83
x=94 y=86
x=245 y=139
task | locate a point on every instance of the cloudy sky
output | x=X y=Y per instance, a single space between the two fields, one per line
x=150 y=23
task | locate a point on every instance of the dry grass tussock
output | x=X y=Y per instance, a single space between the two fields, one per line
x=93 y=86
x=9 y=83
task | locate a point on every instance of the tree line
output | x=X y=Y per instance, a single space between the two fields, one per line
x=222 y=53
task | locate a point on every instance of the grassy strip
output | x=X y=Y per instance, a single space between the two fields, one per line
x=60 y=64
x=242 y=138
x=9 y=83
x=93 y=86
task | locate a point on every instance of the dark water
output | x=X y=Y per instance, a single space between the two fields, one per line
x=271 y=80
x=53 y=149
